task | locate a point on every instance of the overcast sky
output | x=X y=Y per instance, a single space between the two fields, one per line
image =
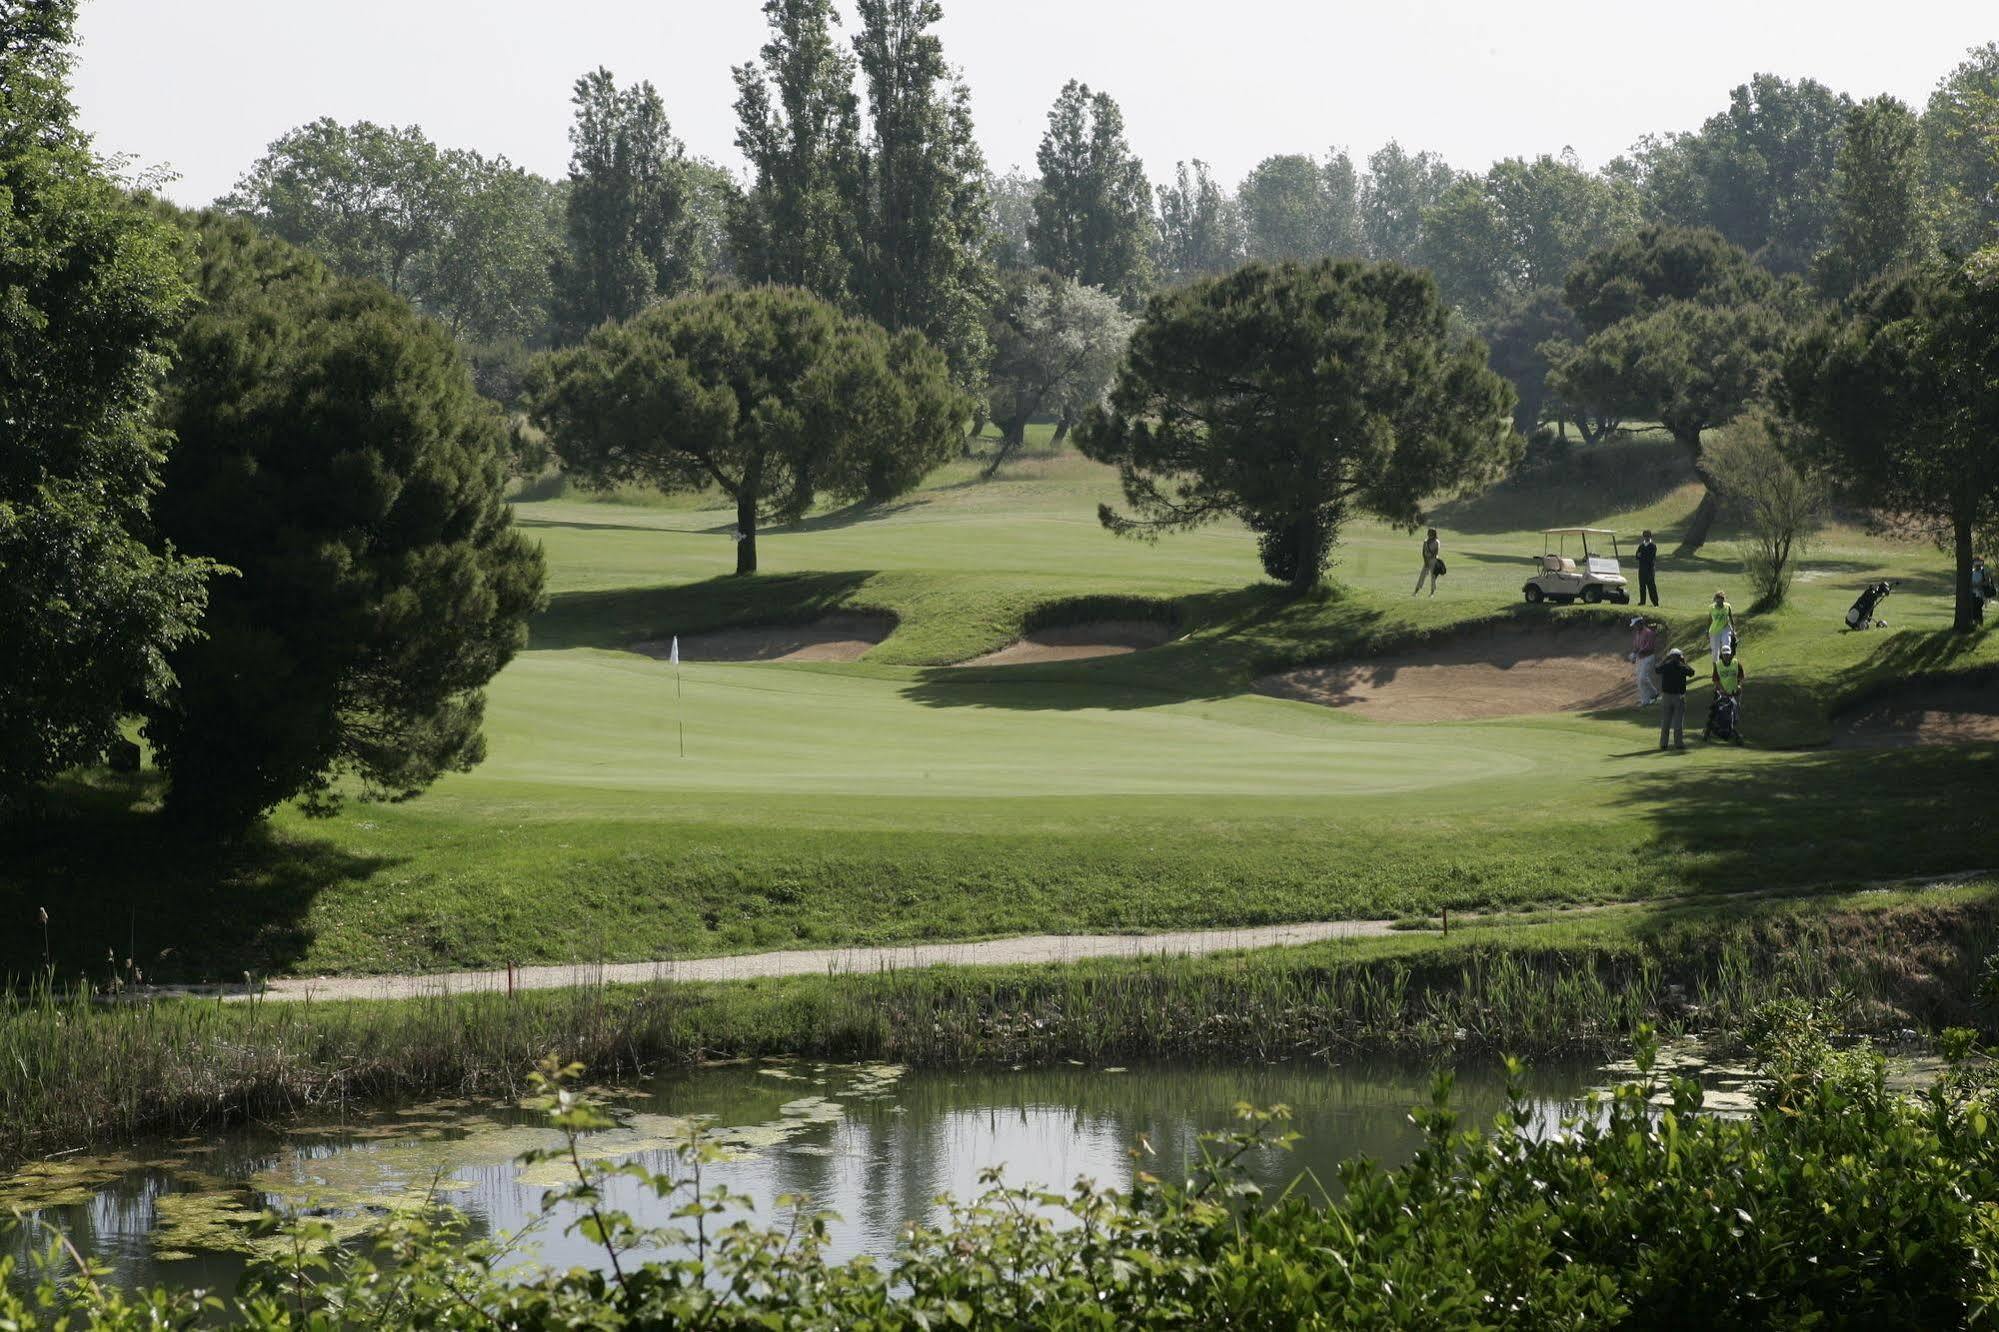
x=202 y=85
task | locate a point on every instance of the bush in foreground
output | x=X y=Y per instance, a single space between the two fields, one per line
x=1836 y=1202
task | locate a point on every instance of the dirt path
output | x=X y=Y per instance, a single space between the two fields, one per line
x=831 y=961
x=1077 y=642
x=1505 y=672
x=834 y=638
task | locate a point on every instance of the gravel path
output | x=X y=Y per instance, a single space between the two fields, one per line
x=827 y=961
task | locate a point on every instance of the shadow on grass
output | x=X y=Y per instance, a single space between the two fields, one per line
x=1232 y=637
x=1910 y=658
x=1831 y=817
x=1592 y=482
x=852 y=515
x=622 y=616
x=120 y=881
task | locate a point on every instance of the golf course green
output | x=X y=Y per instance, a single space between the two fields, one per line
x=895 y=798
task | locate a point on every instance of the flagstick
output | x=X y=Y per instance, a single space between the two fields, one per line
x=678 y=714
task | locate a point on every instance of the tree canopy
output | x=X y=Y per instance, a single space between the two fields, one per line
x=1200 y=227
x=334 y=453
x=1491 y=239
x=771 y=394
x=1292 y=397
x=1056 y=343
x=1760 y=172
x=1683 y=329
x=630 y=234
x=1898 y=400
x=467 y=237
x=1093 y=213
x=1882 y=216
x=924 y=259
x=798 y=123
x=1295 y=207
x=91 y=290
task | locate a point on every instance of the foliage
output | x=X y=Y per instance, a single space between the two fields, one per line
x=1761 y=172
x=1961 y=149
x=91 y=290
x=1295 y=207
x=1882 y=219
x=465 y=236
x=1010 y=218
x=1784 y=507
x=335 y=454
x=1200 y=227
x=1682 y=329
x=923 y=259
x=1397 y=193
x=1292 y=397
x=769 y=393
x=1056 y=344
x=799 y=126
x=1093 y=214
x=630 y=238
x=1491 y=239
x=1835 y=1200
x=1530 y=340
x=1898 y=399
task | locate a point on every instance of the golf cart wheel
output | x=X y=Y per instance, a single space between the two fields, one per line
x=1592 y=595
x=1534 y=594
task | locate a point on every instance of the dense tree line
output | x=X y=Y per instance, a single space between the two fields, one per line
x=865 y=185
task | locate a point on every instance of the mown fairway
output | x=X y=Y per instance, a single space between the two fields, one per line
x=886 y=800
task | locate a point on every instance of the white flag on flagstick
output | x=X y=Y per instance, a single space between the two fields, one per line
x=673 y=653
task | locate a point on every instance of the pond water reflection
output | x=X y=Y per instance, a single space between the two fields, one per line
x=875 y=1143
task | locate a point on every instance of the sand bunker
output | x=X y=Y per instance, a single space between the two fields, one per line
x=1922 y=715
x=1075 y=642
x=1506 y=672
x=834 y=638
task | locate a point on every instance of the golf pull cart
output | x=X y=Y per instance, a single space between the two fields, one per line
x=1579 y=571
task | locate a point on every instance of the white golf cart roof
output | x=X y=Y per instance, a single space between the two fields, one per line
x=1577 y=531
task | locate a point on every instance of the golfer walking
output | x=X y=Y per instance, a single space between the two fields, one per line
x=1645 y=658
x=1720 y=626
x=1648 y=568
x=1673 y=677
x=1431 y=549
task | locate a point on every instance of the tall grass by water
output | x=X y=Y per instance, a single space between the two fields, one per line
x=77 y=1072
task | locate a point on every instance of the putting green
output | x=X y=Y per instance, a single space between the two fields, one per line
x=610 y=722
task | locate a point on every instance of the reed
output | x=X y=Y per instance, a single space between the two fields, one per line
x=76 y=1072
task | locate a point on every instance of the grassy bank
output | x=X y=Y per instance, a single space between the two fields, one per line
x=93 y=1074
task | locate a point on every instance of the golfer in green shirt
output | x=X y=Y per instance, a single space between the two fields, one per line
x=1720 y=626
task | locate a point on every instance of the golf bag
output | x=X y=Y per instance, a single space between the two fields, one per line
x=1860 y=615
x=1721 y=717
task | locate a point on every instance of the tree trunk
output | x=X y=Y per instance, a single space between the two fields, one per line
x=746 y=533
x=1013 y=434
x=1966 y=618
x=1062 y=429
x=1710 y=506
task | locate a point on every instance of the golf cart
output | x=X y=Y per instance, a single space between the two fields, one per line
x=1562 y=577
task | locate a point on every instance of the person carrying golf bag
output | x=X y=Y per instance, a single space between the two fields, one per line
x=1724 y=714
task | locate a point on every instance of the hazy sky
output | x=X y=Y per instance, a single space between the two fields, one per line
x=203 y=85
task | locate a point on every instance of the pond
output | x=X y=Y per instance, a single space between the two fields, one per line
x=875 y=1143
